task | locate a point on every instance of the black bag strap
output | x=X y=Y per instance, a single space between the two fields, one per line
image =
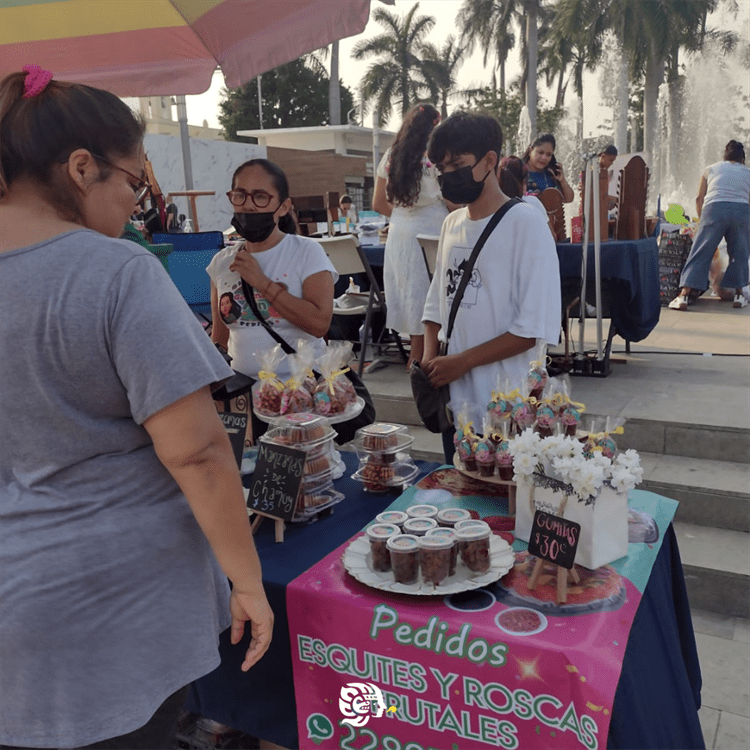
x=493 y=222
x=249 y=293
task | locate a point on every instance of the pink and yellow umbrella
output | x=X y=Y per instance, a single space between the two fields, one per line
x=166 y=47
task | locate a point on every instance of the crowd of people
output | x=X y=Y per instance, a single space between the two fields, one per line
x=122 y=515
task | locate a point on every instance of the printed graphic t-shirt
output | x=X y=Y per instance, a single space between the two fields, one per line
x=514 y=287
x=289 y=263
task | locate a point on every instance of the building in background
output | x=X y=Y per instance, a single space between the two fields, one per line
x=323 y=159
x=159 y=114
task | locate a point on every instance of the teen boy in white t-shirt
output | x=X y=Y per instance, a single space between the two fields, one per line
x=513 y=297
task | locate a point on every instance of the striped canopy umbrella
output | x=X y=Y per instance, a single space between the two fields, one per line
x=168 y=47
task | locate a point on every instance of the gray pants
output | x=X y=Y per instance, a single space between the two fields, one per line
x=720 y=220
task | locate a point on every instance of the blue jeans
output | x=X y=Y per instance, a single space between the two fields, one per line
x=721 y=219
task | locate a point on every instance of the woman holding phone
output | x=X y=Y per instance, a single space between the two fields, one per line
x=544 y=170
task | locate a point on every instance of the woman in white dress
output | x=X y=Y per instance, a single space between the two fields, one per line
x=407 y=190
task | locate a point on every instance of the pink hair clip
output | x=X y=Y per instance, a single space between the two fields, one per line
x=36 y=80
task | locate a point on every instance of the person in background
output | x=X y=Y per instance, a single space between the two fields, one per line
x=347 y=211
x=724 y=211
x=606 y=160
x=514 y=296
x=513 y=176
x=407 y=190
x=544 y=170
x=121 y=506
x=291 y=276
x=173 y=225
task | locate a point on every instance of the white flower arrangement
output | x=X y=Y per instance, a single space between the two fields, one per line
x=561 y=458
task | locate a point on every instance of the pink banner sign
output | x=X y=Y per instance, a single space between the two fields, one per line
x=500 y=666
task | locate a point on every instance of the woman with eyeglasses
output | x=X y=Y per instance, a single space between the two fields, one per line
x=289 y=277
x=121 y=506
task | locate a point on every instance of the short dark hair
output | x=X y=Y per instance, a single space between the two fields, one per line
x=611 y=150
x=345 y=199
x=465 y=132
x=40 y=132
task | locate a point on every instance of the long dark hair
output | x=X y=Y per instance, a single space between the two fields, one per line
x=734 y=151
x=513 y=172
x=39 y=133
x=405 y=168
x=544 y=138
x=280 y=183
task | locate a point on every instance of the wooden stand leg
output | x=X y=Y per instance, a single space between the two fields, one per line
x=512 y=500
x=535 y=574
x=562 y=585
x=280 y=531
x=257 y=521
x=574 y=575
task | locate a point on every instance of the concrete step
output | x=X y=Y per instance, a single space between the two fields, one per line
x=717 y=568
x=394 y=403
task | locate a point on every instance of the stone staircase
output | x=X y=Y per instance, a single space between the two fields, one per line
x=706 y=468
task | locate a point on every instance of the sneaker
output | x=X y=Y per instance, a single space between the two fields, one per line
x=746 y=292
x=680 y=303
x=740 y=301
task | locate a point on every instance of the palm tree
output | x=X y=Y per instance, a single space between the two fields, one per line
x=488 y=23
x=400 y=73
x=442 y=65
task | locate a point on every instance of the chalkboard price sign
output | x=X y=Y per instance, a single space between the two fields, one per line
x=554 y=539
x=235 y=424
x=276 y=481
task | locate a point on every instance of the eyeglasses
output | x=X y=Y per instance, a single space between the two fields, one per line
x=260 y=198
x=141 y=186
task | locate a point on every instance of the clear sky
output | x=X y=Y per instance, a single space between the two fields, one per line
x=471 y=74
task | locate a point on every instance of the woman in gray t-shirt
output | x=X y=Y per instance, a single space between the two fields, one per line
x=121 y=507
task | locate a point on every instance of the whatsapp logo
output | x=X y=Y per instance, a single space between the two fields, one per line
x=319 y=728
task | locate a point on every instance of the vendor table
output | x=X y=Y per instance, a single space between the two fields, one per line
x=657 y=696
x=630 y=276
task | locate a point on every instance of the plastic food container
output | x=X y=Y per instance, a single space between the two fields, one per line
x=469 y=522
x=434 y=558
x=301 y=428
x=445 y=533
x=419 y=526
x=378 y=535
x=449 y=517
x=422 y=511
x=395 y=517
x=382 y=437
x=474 y=546
x=403 y=549
x=314 y=500
x=381 y=477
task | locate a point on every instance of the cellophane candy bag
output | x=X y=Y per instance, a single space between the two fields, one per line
x=267 y=397
x=295 y=397
x=499 y=408
x=306 y=352
x=465 y=438
x=523 y=413
x=334 y=391
x=538 y=376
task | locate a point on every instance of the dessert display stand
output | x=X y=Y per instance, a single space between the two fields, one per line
x=509 y=483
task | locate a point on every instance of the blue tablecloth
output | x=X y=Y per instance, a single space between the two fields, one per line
x=657 y=697
x=630 y=274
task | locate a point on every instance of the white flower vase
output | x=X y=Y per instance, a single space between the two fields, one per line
x=604 y=523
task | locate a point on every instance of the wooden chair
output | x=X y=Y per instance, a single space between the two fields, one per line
x=429 y=245
x=552 y=200
x=348 y=258
x=631 y=200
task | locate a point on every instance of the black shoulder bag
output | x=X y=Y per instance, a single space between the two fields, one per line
x=432 y=403
x=344 y=430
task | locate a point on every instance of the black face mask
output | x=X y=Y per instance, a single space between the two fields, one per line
x=460 y=186
x=255 y=227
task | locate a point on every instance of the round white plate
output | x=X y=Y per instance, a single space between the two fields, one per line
x=542 y=621
x=357 y=561
x=353 y=410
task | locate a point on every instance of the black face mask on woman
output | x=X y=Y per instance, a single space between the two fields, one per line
x=254 y=227
x=459 y=186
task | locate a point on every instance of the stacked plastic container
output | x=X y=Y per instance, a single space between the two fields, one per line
x=385 y=462
x=312 y=434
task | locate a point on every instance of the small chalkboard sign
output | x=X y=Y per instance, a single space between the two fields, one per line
x=276 y=481
x=235 y=424
x=554 y=539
